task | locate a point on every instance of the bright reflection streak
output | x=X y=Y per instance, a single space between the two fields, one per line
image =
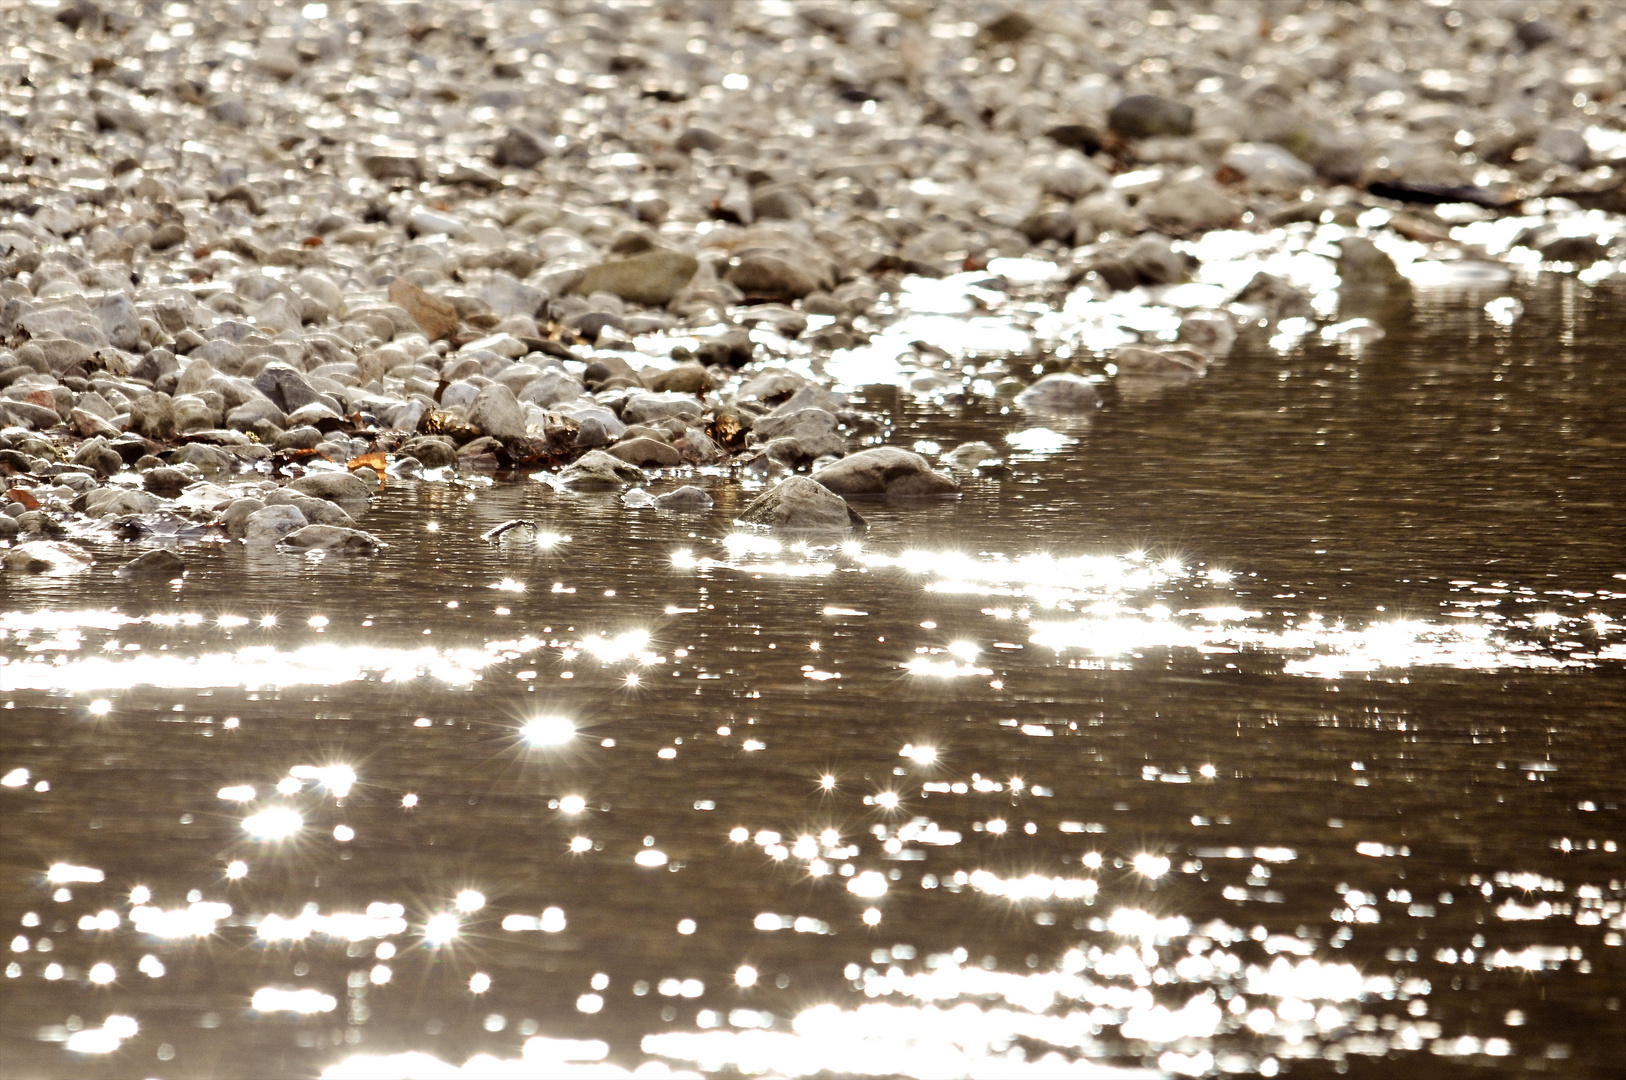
x=548 y=731
x=1152 y=866
x=237 y=793
x=337 y=779
x=579 y=844
x=100 y=707
x=264 y=667
x=921 y=755
x=380 y=920
x=627 y=645
x=68 y=874
x=274 y=823
x=469 y=901
x=572 y=804
x=197 y=920
x=273 y=999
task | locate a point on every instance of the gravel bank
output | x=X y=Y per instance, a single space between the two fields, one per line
x=256 y=258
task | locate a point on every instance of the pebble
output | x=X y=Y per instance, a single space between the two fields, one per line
x=194 y=285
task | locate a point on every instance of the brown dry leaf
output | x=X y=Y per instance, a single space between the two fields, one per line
x=24 y=496
x=375 y=461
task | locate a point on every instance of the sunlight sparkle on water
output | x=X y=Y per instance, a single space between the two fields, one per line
x=548 y=731
x=69 y=874
x=441 y=929
x=273 y=823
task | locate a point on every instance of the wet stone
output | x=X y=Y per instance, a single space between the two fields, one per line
x=885 y=470
x=798 y=503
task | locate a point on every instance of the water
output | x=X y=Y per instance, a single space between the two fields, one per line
x=1268 y=724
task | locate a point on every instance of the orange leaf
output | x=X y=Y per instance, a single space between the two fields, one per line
x=24 y=496
x=374 y=461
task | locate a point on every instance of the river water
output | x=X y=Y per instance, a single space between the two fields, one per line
x=1269 y=723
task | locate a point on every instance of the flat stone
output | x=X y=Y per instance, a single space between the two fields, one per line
x=159 y=562
x=652 y=278
x=332 y=538
x=645 y=452
x=437 y=317
x=642 y=408
x=687 y=499
x=799 y=503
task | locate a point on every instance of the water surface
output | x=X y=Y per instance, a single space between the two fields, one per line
x=1270 y=723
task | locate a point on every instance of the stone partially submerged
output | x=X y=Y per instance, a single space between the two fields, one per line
x=798 y=503
x=1063 y=394
x=885 y=470
x=332 y=538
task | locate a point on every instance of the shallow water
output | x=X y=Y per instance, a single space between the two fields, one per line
x=1270 y=723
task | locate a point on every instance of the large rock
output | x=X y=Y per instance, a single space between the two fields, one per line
x=437 y=317
x=332 y=538
x=885 y=470
x=598 y=471
x=651 y=278
x=497 y=412
x=800 y=503
x=1063 y=394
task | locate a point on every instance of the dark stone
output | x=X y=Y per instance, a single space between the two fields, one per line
x=1081 y=137
x=1143 y=116
x=286 y=387
x=518 y=149
x=160 y=561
